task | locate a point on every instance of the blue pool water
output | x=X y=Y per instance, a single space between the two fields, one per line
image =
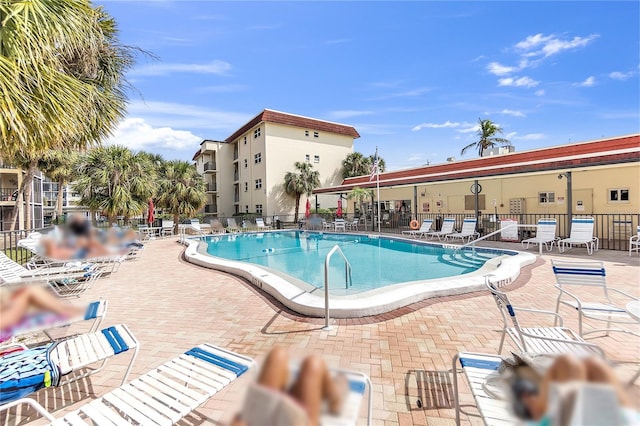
x=376 y=261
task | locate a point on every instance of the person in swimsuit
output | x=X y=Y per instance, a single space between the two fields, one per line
x=273 y=401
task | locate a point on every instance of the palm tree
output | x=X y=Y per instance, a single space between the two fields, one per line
x=381 y=164
x=359 y=195
x=115 y=181
x=487 y=137
x=59 y=166
x=28 y=163
x=181 y=189
x=304 y=182
x=355 y=164
x=61 y=74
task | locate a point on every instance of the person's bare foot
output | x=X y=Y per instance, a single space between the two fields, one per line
x=341 y=390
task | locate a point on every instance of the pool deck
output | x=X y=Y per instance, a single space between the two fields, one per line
x=171 y=305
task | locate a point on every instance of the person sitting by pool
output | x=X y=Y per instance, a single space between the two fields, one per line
x=76 y=249
x=29 y=303
x=271 y=402
x=553 y=401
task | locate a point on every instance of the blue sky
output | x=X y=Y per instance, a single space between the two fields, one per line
x=412 y=77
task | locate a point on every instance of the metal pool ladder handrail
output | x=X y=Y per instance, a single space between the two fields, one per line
x=484 y=237
x=347 y=281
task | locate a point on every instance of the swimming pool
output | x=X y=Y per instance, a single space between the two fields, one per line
x=387 y=272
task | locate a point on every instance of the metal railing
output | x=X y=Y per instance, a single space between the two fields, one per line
x=210 y=166
x=211 y=208
x=347 y=279
x=6 y=194
x=212 y=187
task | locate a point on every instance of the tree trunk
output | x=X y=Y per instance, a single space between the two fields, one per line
x=24 y=192
x=57 y=212
x=295 y=219
x=176 y=221
x=112 y=218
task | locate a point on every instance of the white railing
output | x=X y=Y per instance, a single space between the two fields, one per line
x=347 y=281
x=473 y=243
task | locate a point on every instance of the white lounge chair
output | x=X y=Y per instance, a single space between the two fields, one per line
x=425 y=227
x=232 y=226
x=447 y=228
x=167 y=228
x=581 y=233
x=339 y=225
x=634 y=241
x=468 y=231
x=353 y=225
x=163 y=396
x=539 y=340
x=11 y=270
x=545 y=234
x=96 y=311
x=574 y=280
x=71 y=285
x=260 y=223
x=478 y=368
x=63 y=361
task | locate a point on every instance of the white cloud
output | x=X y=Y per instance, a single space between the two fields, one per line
x=617 y=75
x=185 y=116
x=215 y=67
x=497 y=69
x=224 y=88
x=531 y=137
x=348 y=113
x=588 y=82
x=137 y=134
x=446 y=124
x=548 y=45
x=517 y=82
x=404 y=94
x=512 y=113
x=539 y=92
x=469 y=128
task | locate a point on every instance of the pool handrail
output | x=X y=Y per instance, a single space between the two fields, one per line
x=347 y=279
x=484 y=237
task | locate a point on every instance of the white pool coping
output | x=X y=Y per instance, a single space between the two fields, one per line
x=504 y=270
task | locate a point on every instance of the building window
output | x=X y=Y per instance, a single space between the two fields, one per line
x=256 y=133
x=245 y=140
x=307 y=158
x=316 y=135
x=316 y=158
x=246 y=163
x=306 y=133
x=258 y=183
x=246 y=186
x=546 y=197
x=259 y=208
x=619 y=195
x=257 y=158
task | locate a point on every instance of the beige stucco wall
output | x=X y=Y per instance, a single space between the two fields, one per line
x=591 y=187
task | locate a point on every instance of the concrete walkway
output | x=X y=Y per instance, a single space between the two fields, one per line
x=171 y=306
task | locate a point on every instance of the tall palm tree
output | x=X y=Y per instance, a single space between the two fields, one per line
x=355 y=164
x=487 y=137
x=181 y=189
x=360 y=195
x=59 y=166
x=115 y=181
x=381 y=163
x=60 y=75
x=303 y=182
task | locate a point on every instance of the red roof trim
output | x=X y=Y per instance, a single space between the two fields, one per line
x=539 y=160
x=270 y=116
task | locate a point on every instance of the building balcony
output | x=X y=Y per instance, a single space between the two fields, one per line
x=210 y=166
x=211 y=187
x=235 y=155
x=236 y=177
x=211 y=208
x=6 y=194
x=236 y=198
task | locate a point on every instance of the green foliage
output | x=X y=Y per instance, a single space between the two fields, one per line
x=302 y=182
x=181 y=189
x=487 y=131
x=356 y=164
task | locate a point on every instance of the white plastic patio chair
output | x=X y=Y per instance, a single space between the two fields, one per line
x=468 y=231
x=164 y=395
x=232 y=226
x=167 y=228
x=353 y=224
x=425 y=227
x=545 y=234
x=539 y=340
x=260 y=223
x=574 y=281
x=581 y=233
x=634 y=241
x=339 y=225
x=447 y=228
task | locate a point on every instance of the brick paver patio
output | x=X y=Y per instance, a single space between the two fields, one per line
x=171 y=305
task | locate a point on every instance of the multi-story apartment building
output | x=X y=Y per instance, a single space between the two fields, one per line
x=10 y=181
x=245 y=173
x=70 y=200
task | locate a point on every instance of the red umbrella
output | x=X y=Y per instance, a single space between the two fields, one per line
x=307 y=211
x=150 y=217
x=339 y=211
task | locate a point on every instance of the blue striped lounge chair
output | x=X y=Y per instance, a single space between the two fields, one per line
x=468 y=231
x=164 y=395
x=425 y=227
x=581 y=234
x=545 y=234
x=447 y=228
